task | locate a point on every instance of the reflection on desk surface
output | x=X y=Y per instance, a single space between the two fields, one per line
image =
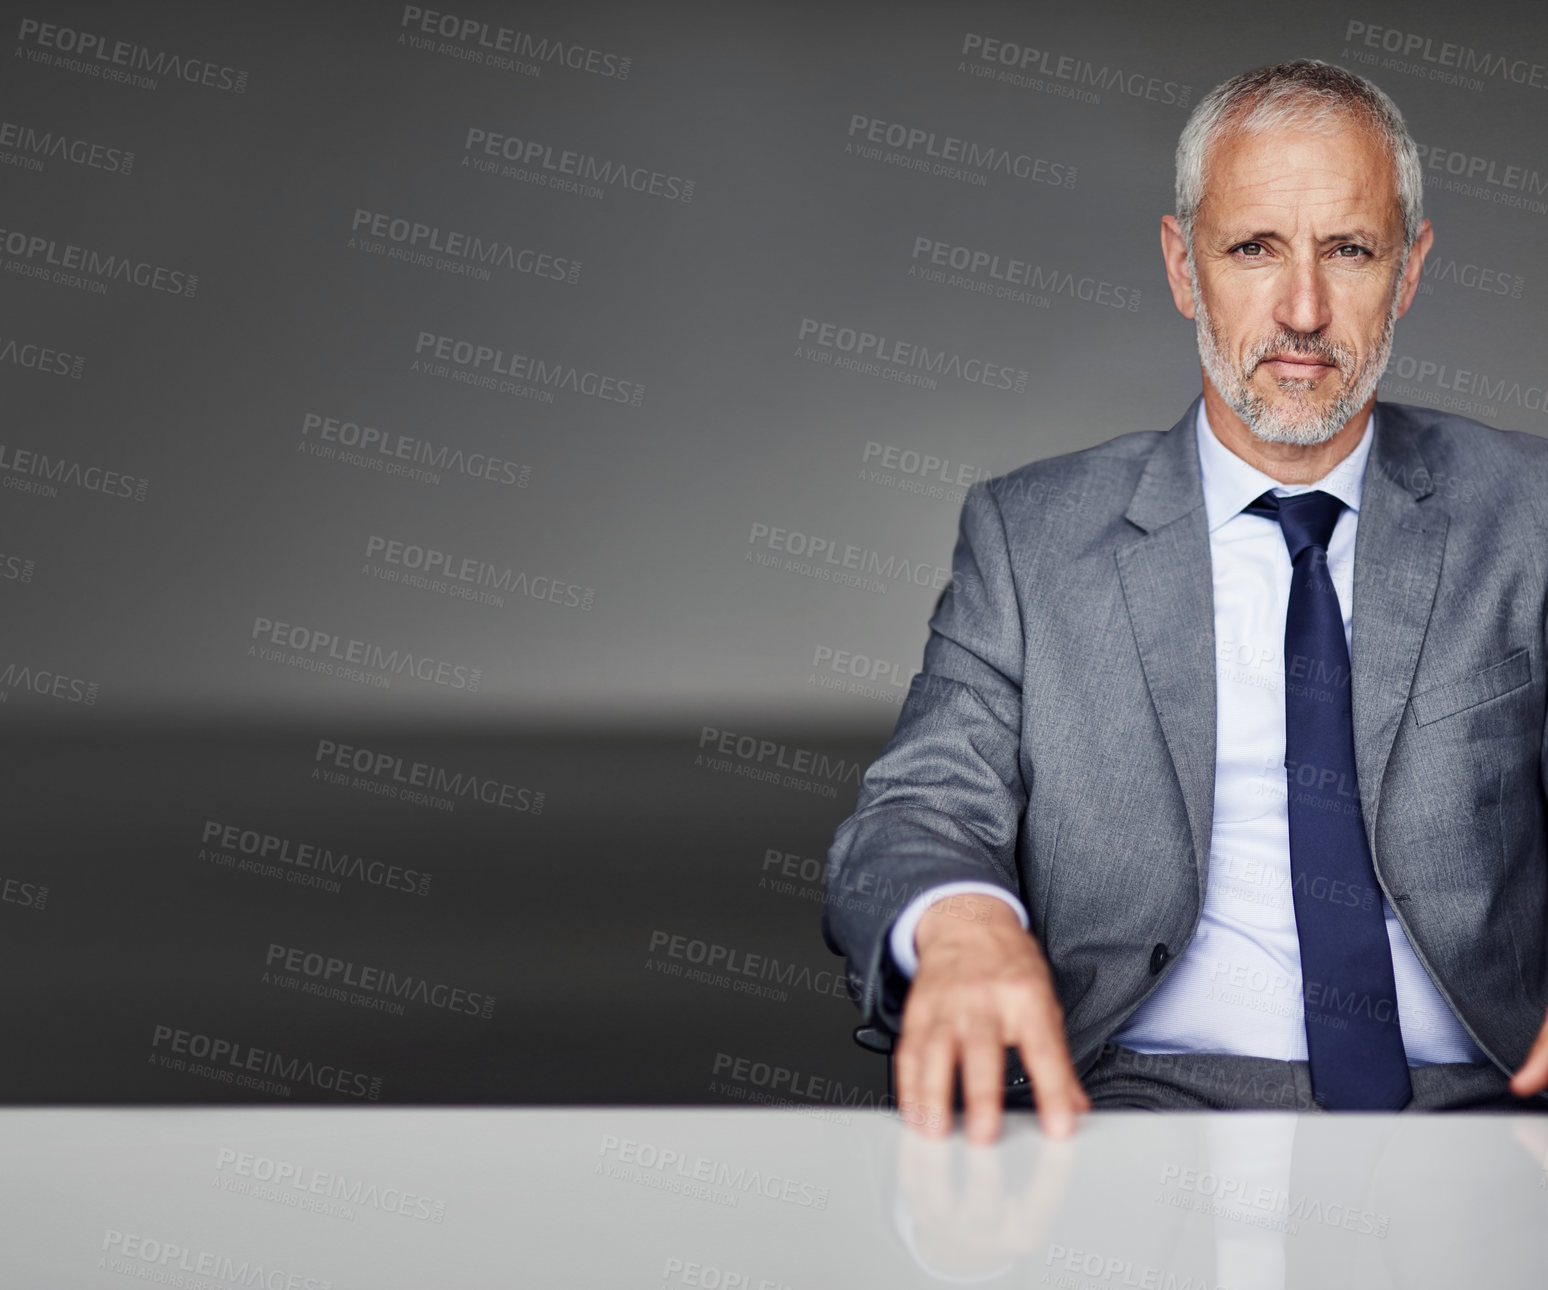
x=315 y=1199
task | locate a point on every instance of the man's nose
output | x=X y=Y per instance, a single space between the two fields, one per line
x=1303 y=303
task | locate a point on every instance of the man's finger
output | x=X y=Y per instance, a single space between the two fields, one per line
x=983 y=1081
x=915 y=1057
x=1533 y=1075
x=905 y=1072
x=1055 y=1087
x=937 y=1066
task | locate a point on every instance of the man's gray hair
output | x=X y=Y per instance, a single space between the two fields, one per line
x=1307 y=93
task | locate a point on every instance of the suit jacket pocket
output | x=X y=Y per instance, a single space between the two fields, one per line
x=1449 y=697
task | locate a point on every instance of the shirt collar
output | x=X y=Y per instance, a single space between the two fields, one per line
x=1230 y=483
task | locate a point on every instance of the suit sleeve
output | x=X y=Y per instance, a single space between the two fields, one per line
x=943 y=802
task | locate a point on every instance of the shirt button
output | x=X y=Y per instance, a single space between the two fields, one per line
x=1158 y=958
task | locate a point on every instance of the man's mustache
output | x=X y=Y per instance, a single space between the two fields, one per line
x=1301 y=345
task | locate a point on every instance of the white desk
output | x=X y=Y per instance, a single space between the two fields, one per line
x=383 y=1199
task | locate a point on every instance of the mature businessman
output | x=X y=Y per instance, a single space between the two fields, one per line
x=1229 y=748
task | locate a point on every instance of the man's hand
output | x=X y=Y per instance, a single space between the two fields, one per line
x=983 y=985
x=1533 y=1075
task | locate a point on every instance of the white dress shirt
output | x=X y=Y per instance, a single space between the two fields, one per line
x=1237 y=986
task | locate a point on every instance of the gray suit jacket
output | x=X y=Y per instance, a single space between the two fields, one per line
x=1060 y=740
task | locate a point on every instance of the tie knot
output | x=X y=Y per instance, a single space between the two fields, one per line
x=1307 y=519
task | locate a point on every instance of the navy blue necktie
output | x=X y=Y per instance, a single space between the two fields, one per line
x=1353 y=1040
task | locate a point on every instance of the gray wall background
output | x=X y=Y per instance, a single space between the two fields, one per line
x=190 y=321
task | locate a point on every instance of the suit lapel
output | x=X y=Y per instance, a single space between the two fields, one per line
x=1168 y=589
x=1397 y=562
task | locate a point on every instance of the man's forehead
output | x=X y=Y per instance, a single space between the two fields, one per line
x=1344 y=176
x=1296 y=153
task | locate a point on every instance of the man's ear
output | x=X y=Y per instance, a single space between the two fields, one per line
x=1414 y=269
x=1174 y=254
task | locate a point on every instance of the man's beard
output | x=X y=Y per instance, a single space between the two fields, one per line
x=1295 y=418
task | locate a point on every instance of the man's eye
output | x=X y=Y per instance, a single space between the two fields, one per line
x=1356 y=251
x=1251 y=249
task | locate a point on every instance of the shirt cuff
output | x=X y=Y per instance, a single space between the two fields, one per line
x=901 y=940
